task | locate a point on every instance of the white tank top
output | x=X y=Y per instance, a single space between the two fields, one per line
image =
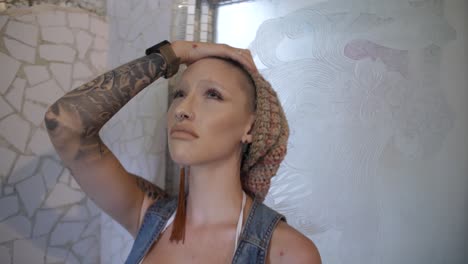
x=238 y=229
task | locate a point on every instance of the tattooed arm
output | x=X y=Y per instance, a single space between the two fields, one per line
x=74 y=122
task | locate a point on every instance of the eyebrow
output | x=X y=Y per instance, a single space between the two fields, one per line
x=218 y=85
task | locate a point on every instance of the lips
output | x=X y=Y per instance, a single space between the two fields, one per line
x=184 y=130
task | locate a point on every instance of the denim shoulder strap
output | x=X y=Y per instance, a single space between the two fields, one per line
x=154 y=221
x=256 y=236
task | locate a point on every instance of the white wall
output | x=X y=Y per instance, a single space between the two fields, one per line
x=375 y=93
x=44 y=216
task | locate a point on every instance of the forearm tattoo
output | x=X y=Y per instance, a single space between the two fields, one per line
x=150 y=189
x=87 y=108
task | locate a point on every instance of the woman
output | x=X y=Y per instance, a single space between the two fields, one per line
x=209 y=121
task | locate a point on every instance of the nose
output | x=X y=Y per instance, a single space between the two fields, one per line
x=184 y=109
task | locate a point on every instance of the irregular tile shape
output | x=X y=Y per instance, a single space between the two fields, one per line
x=82 y=247
x=20 y=51
x=36 y=74
x=54 y=52
x=32 y=192
x=9 y=68
x=51 y=18
x=50 y=170
x=100 y=44
x=40 y=143
x=7 y=157
x=65 y=177
x=72 y=259
x=3 y=20
x=99 y=60
x=77 y=83
x=57 y=35
x=8 y=190
x=5 y=108
x=62 y=195
x=55 y=255
x=62 y=73
x=26 y=33
x=66 y=232
x=45 y=220
x=47 y=92
x=78 y=20
x=76 y=213
x=99 y=27
x=93 y=228
x=9 y=205
x=15 y=94
x=29 y=250
x=24 y=167
x=14 y=228
x=5 y=252
x=81 y=71
x=74 y=184
x=34 y=112
x=83 y=42
x=15 y=130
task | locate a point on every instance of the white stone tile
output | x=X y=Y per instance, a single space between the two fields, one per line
x=45 y=220
x=40 y=143
x=76 y=213
x=20 y=51
x=23 y=32
x=92 y=207
x=9 y=205
x=52 y=18
x=93 y=227
x=82 y=247
x=15 y=130
x=57 y=35
x=8 y=190
x=54 y=52
x=15 y=94
x=74 y=184
x=29 y=251
x=34 y=112
x=32 y=192
x=9 y=68
x=81 y=71
x=62 y=195
x=99 y=60
x=100 y=44
x=24 y=167
x=56 y=255
x=7 y=157
x=50 y=171
x=5 y=256
x=66 y=232
x=83 y=42
x=14 y=228
x=65 y=177
x=5 y=108
x=36 y=74
x=99 y=27
x=62 y=73
x=72 y=259
x=26 y=18
x=78 y=20
x=3 y=20
x=78 y=83
x=47 y=92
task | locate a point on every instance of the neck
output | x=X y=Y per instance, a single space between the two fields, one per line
x=215 y=194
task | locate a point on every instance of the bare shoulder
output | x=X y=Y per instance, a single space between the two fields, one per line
x=290 y=246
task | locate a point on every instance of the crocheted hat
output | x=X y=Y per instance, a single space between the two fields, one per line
x=270 y=134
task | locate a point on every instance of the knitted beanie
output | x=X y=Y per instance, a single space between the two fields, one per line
x=270 y=134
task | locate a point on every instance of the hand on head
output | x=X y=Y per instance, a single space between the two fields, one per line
x=189 y=52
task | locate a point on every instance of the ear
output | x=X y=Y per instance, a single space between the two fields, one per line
x=247 y=137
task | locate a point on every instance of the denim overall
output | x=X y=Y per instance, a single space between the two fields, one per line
x=253 y=241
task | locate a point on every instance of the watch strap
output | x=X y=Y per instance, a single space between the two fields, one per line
x=172 y=61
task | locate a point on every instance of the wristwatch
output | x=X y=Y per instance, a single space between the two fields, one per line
x=164 y=48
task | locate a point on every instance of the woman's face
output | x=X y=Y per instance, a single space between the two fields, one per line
x=214 y=95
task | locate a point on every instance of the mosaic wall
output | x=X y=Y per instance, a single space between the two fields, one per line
x=44 y=52
x=94 y=6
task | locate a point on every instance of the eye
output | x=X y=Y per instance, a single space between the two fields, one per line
x=177 y=93
x=212 y=93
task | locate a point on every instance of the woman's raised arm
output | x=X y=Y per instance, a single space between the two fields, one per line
x=74 y=121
